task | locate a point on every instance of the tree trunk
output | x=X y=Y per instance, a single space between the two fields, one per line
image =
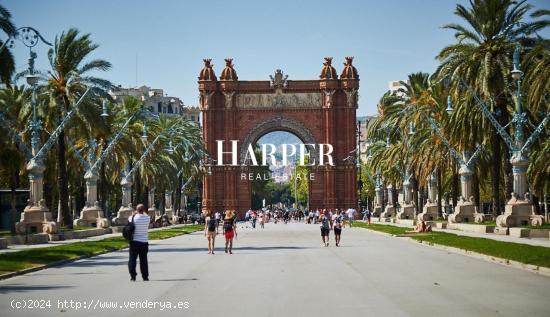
x=62 y=177
x=103 y=184
x=394 y=195
x=496 y=160
x=137 y=188
x=414 y=183
x=439 y=192
x=454 y=184
x=420 y=199
x=13 y=187
x=476 y=192
x=177 y=196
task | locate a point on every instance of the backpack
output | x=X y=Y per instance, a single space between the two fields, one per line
x=338 y=222
x=228 y=225
x=324 y=223
x=212 y=224
x=128 y=230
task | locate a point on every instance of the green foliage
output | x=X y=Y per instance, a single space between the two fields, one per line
x=300 y=177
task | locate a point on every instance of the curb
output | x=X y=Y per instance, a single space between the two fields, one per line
x=67 y=261
x=488 y=258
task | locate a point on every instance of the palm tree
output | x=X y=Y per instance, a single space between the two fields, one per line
x=12 y=160
x=482 y=58
x=66 y=82
x=7 y=64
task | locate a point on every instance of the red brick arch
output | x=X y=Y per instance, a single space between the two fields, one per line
x=316 y=111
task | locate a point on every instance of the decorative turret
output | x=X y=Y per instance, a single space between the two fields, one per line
x=329 y=79
x=328 y=71
x=349 y=71
x=229 y=72
x=207 y=73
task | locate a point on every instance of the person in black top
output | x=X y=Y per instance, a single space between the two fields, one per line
x=229 y=230
x=210 y=231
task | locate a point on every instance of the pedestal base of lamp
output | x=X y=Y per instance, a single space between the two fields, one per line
x=377 y=211
x=429 y=212
x=519 y=212
x=407 y=212
x=92 y=216
x=388 y=212
x=122 y=216
x=36 y=219
x=465 y=211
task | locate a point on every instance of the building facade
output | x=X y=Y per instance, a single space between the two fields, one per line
x=157 y=102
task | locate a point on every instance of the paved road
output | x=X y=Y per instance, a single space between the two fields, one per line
x=283 y=271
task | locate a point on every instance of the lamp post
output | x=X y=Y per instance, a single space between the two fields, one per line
x=36 y=215
x=126 y=208
x=466 y=209
x=519 y=210
x=359 y=179
x=92 y=213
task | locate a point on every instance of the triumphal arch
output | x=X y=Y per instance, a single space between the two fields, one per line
x=321 y=111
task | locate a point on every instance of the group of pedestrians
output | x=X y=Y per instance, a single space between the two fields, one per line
x=139 y=246
x=211 y=230
x=331 y=222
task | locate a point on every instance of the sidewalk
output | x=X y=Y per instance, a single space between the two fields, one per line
x=530 y=241
x=21 y=247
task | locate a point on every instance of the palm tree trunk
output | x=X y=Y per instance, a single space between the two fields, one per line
x=496 y=160
x=103 y=184
x=62 y=180
x=439 y=192
x=475 y=190
x=137 y=188
x=454 y=184
x=13 y=187
x=394 y=194
x=415 y=192
x=177 y=195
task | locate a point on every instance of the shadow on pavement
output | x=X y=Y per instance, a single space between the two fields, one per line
x=175 y=280
x=5 y=289
x=221 y=247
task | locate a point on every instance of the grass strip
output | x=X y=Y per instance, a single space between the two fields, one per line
x=524 y=253
x=15 y=261
x=395 y=230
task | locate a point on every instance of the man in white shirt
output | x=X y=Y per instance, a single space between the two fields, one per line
x=139 y=245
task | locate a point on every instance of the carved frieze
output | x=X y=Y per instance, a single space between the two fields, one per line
x=277 y=100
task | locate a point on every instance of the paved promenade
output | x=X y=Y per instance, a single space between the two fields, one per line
x=283 y=271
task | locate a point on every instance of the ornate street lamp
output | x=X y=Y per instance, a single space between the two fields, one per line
x=449 y=108
x=519 y=210
x=104 y=109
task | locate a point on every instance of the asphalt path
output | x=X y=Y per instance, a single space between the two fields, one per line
x=282 y=270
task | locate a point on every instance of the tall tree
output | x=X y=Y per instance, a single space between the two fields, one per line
x=482 y=58
x=68 y=79
x=7 y=64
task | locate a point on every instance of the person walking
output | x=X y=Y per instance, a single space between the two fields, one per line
x=337 y=220
x=368 y=215
x=139 y=244
x=351 y=215
x=325 y=229
x=218 y=217
x=210 y=231
x=261 y=218
x=229 y=230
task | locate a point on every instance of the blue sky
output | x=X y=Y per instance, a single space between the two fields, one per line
x=389 y=38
